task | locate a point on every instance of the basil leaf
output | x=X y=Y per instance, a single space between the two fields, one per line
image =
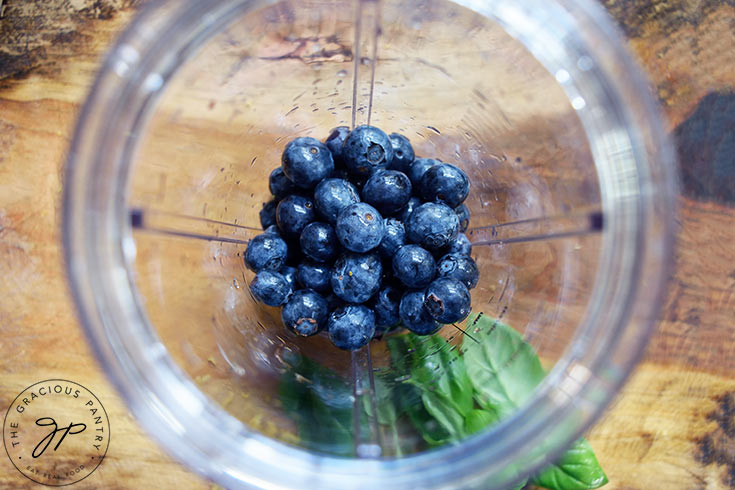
x=578 y=469
x=436 y=392
x=318 y=401
x=437 y=368
x=478 y=420
x=503 y=368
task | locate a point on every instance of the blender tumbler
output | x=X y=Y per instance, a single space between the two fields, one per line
x=571 y=203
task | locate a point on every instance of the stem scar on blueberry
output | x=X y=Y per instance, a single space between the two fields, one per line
x=369 y=217
x=314 y=150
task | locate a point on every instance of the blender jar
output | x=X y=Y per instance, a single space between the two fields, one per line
x=571 y=204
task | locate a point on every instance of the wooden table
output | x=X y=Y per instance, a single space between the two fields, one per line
x=673 y=426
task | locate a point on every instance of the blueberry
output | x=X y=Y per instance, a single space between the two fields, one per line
x=366 y=150
x=351 y=327
x=266 y=251
x=270 y=288
x=306 y=162
x=445 y=183
x=459 y=245
x=319 y=242
x=294 y=212
x=356 y=277
x=387 y=190
x=447 y=300
x=272 y=229
x=406 y=210
x=402 y=153
x=268 y=214
x=280 y=185
x=385 y=305
x=335 y=141
x=459 y=267
x=360 y=227
x=417 y=170
x=314 y=276
x=393 y=239
x=463 y=213
x=414 y=316
x=305 y=313
x=414 y=266
x=432 y=225
x=290 y=274
x=333 y=195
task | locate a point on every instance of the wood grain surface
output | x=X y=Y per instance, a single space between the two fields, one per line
x=672 y=427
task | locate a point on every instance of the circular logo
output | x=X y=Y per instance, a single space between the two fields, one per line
x=56 y=432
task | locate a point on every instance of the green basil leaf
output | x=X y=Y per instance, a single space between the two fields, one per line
x=578 y=469
x=445 y=413
x=477 y=420
x=503 y=368
x=436 y=367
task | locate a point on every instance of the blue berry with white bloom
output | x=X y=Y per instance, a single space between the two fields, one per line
x=360 y=227
x=351 y=327
x=356 y=277
x=270 y=288
x=387 y=190
x=266 y=251
x=447 y=300
x=305 y=313
x=331 y=196
x=414 y=316
x=432 y=225
x=414 y=266
x=366 y=150
x=306 y=162
x=319 y=242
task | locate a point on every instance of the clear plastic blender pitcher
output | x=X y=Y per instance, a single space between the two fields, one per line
x=571 y=204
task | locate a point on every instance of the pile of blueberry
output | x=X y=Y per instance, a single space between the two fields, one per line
x=360 y=238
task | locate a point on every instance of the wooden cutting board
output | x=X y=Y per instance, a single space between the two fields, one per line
x=672 y=427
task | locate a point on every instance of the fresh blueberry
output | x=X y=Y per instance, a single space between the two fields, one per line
x=335 y=141
x=266 y=251
x=393 y=239
x=385 y=305
x=463 y=213
x=290 y=274
x=459 y=267
x=432 y=225
x=387 y=190
x=280 y=185
x=414 y=266
x=351 y=327
x=459 y=245
x=272 y=229
x=306 y=162
x=319 y=242
x=270 y=288
x=366 y=150
x=360 y=227
x=294 y=212
x=356 y=277
x=447 y=300
x=305 y=313
x=406 y=211
x=268 y=214
x=445 y=183
x=414 y=315
x=417 y=170
x=402 y=153
x=314 y=276
x=333 y=195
